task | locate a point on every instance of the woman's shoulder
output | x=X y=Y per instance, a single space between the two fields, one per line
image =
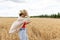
x=20 y=19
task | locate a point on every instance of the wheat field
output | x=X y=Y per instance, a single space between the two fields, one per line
x=38 y=29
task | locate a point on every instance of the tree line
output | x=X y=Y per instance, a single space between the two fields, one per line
x=48 y=16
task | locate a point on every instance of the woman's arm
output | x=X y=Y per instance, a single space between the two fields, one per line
x=18 y=28
x=27 y=20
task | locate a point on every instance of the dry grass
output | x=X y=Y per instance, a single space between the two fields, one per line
x=38 y=29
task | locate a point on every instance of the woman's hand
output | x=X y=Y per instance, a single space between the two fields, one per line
x=17 y=30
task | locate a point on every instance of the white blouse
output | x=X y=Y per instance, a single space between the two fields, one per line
x=18 y=22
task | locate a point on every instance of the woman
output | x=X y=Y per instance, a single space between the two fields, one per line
x=23 y=31
x=20 y=25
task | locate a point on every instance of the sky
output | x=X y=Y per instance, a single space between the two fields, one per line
x=11 y=8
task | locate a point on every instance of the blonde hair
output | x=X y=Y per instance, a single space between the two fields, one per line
x=23 y=12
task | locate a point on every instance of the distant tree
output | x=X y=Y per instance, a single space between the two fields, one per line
x=58 y=15
x=49 y=16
